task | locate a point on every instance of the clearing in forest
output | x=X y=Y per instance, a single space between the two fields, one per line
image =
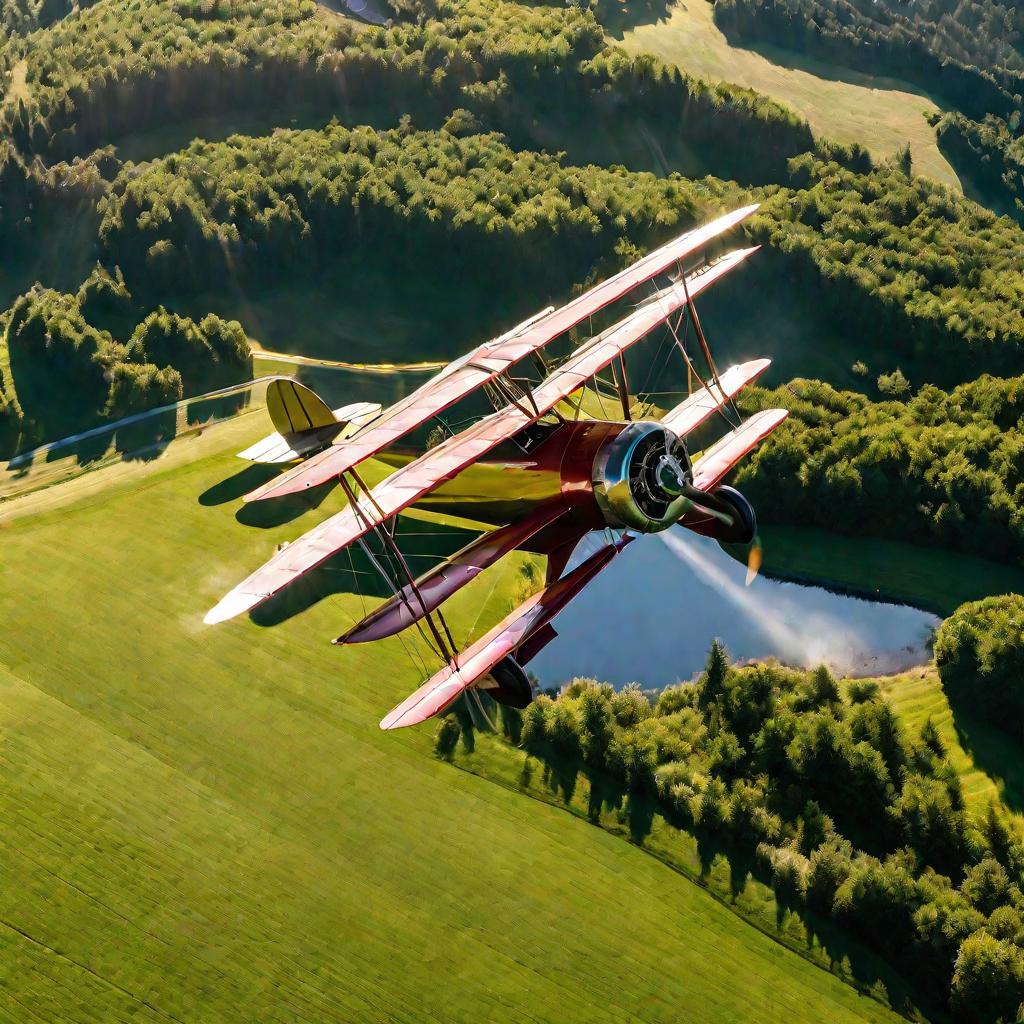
x=880 y=113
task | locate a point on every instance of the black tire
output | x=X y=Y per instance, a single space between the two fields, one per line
x=513 y=689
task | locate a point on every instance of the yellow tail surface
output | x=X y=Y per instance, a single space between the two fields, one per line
x=294 y=408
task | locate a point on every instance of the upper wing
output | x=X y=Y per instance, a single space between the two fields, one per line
x=692 y=412
x=712 y=466
x=483 y=364
x=410 y=483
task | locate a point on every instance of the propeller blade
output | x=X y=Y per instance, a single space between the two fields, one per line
x=755 y=556
x=699 y=500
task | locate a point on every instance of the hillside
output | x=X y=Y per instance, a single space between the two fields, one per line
x=206 y=824
x=882 y=114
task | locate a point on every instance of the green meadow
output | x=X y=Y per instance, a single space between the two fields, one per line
x=883 y=115
x=930 y=578
x=986 y=759
x=206 y=823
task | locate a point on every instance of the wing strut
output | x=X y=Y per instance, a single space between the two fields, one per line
x=447 y=650
x=622 y=385
x=698 y=330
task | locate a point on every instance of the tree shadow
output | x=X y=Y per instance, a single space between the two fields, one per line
x=640 y=811
x=209 y=409
x=847 y=956
x=619 y=18
x=981 y=183
x=85 y=451
x=146 y=439
x=720 y=856
x=827 y=70
x=352 y=571
x=994 y=750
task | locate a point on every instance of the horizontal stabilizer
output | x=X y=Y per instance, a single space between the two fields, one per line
x=483 y=364
x=690 y=414
x=278 y=447
x=443 y=689
x=418 y=478
x=716 y=462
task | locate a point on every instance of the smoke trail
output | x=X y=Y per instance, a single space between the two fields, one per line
x=795 y=635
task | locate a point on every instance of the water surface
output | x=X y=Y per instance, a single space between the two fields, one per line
x=651 y=615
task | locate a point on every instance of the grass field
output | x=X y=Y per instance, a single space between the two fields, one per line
x=206 y=824
x=988 y=762
x=930 y=578
x=881 y=114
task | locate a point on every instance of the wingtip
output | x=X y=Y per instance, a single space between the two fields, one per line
x=257 y=495
x=393 y=720
x=228 y=607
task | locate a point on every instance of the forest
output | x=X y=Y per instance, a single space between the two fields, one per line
x=940 y=468
x=967 y=51
x=821 y=786
x=990 y=154
x=979 y=651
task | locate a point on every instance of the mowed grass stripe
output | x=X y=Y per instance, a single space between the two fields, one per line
x=210 y=818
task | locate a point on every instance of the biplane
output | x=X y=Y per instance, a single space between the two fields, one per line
x=563 y=474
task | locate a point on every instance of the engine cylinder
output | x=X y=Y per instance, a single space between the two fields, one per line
x=638 y=477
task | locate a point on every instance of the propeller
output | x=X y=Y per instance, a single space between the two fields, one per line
x=706 y=503
x=755 y=557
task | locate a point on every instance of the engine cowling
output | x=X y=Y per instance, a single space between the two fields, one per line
x=639 y=476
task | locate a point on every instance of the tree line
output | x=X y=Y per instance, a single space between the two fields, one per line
x=98 y=74
x=990 y=155
x=851 y=816
x=900 y=256
x=979 y=651
x=943 y=468
x=968 y=51
x=67 y=373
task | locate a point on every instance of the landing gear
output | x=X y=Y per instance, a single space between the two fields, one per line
x=508 y=684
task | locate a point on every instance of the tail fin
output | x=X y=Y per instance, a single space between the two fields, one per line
x=304 y=423
x=294 y=408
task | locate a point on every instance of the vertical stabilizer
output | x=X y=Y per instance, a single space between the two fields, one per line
x=294 y=408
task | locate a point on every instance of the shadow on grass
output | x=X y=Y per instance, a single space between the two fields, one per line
x=140 y=442
x=822 y=67
x=726 y=868
x=983 y=183
x=86 y=451
x=618 y=18
x=211 y=409
x=264 y=515
x=994 y=750
x=232 y=488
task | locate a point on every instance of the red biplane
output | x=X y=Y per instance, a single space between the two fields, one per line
x=571 y=474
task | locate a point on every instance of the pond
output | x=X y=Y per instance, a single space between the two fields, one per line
x=651 y=615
